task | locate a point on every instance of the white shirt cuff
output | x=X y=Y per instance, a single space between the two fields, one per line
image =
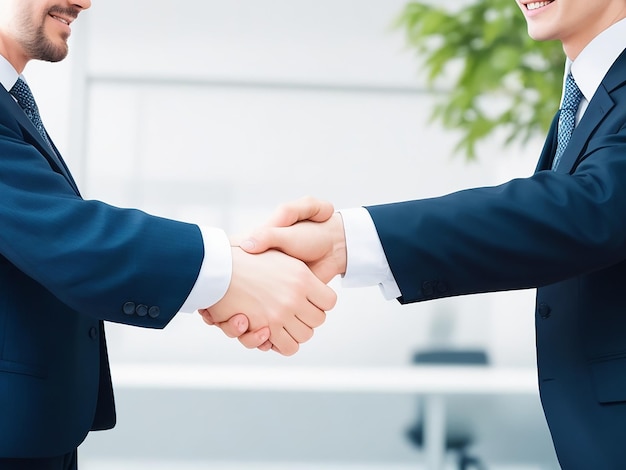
x=215 y=272
x=367 y=264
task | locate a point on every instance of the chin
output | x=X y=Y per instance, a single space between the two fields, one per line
x=539 y=34
x=543 y=28
x=53 y=53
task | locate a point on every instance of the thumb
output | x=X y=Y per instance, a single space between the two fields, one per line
x=306 y=208
x=261 y=240
x=278 y=238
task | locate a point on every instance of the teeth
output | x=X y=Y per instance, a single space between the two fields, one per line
x=61 y=20
x=536 y=5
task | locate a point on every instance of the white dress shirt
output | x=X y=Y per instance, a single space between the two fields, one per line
x=216 y=270
x=367 y=264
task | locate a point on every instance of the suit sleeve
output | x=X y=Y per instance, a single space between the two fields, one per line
x=115 y=264
x=525 y=233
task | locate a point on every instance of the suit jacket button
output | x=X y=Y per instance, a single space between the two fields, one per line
x=442 y=287
x=142 y=310
x=544 y=310
x=427 y=288
x=154 y=312
x=93 y=332
x=129 y=308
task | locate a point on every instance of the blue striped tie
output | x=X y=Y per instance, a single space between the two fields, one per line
x=567 y=117
x=25 y=99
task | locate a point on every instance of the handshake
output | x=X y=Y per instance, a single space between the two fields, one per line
x=278 y=291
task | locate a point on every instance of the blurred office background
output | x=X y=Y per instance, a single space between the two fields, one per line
x=215 y=112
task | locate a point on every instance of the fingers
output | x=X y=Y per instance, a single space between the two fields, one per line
x=306 y=208
x=287 y=335
x=298 y=330
x=265 y=346
x=310 y=315
x=206 y=316
x=283 y=342
x=256 y=339
x=235 y=326
x=322 y=297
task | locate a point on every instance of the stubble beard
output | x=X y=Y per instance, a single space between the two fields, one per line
x=39 y=46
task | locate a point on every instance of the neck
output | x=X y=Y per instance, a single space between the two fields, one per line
x=12 y=52
x=575 y=45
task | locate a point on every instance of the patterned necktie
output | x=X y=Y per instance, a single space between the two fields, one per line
x=567 y=117
x=25 y=99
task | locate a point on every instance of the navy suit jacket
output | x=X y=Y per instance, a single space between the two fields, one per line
x=67 y=264
x=563 y=232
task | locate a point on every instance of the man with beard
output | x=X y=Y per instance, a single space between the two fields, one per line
x=67 y=264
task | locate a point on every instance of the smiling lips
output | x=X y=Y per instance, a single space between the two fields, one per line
x=62 y=20
x=536 y=5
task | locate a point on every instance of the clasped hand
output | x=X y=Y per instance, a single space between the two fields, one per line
x=278 y=292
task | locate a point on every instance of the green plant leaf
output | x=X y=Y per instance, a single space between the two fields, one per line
x=483 y=55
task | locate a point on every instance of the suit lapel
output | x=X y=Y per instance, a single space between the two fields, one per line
x=63 y=166
x=53 y=157
x=549 y=146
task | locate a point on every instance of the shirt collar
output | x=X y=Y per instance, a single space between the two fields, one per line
x=596 y=59
x=8 y=75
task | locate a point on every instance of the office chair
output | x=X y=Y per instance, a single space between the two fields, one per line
x=458 y=441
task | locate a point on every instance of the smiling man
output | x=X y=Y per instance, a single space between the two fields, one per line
x=37 y=30
x=67 y=264
x=562 y=231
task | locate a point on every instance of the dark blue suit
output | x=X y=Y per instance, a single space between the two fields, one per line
x=562 y=232
x=67 y=264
